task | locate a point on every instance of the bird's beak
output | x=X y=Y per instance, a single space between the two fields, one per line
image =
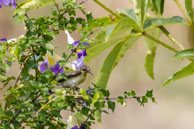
x=90 y=73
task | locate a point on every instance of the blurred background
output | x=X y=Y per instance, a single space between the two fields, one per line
x=175 y=104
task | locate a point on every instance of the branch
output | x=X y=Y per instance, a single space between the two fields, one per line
x=159 y=42
x=166 y=32
x=106 y=8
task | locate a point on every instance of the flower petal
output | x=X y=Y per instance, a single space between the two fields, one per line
x=56 y=68
x=44 y=66
x=6 y=2
x=13 y=3
x=75 y=127
x=76 y=43
x=4 y=40
x=78 y=62
x=70 y=40
x=85 y=43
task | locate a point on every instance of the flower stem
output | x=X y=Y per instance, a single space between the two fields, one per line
x=106 y=8
x=159 y=42
x=166 y=32
x=183 y=11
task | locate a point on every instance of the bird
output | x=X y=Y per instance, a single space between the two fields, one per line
x=75 y=78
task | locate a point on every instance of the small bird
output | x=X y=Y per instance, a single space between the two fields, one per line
x=75 y=78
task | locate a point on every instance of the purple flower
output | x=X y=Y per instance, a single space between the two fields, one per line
x=78 y=62
x=80 y=102
x=8 y=3
x=56 y=68
x=4 y=40
x=79 y=52
x=75 y=127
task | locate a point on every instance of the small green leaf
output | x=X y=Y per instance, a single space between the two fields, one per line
x=50 y=47
x=149 y=64
x=2 y=78
x=98 y=116
x=164 y=21
x=185 y=54
x=186 y=71
x=79 y=117
x=111 y=105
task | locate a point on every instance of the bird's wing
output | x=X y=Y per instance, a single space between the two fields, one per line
x=72 y=74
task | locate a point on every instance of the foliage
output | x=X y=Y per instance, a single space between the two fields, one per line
x=41 y=91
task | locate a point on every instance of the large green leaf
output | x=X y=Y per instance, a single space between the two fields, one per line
x=158 y=6
x=152 y=46
x=185 y=54
x=112 y=59
x=97 y=49
x=130 y=14
x=125 y=25
x=186 y=71
x=164 y=21
x=188 y=6
x=128 y=44
x=103 y=21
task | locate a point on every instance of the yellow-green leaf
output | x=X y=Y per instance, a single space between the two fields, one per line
x=185 y=54
x=186 y=71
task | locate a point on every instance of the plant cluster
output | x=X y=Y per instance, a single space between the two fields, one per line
x=37 y=96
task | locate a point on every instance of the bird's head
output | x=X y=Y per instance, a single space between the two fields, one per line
x=86 y=69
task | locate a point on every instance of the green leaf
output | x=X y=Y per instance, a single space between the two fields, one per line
x=164 y=21
x=128 y=44
x=132 y=17
x=106 y=68
x=79 y=117
x=122 y=27
x=112 y=60
x=158 y=6
x=50 y=47
x=98 y=116
x=2 y=113
x=97 y=49
x=186 y=71
x=111 y=105
x=141 y=7
x=103 y=21
x=188 y=6
x=185 y=54
x=149 y=64
x=2 y=78
x=150 y=57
